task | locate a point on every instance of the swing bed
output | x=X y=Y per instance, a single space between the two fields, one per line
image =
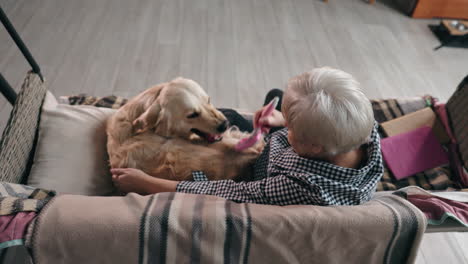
x=174 y=227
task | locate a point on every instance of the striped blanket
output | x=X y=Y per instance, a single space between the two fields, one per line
x=445 y=211
x=186 y=228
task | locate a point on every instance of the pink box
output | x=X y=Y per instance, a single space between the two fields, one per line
x=412 y=152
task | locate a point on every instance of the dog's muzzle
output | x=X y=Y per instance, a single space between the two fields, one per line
x=210 y=138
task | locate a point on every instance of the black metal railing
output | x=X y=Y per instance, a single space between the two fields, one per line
x=5 y=87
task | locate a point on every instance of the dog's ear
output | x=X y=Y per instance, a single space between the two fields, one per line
x=148 y=119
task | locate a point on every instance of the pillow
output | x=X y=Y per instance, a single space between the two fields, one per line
x=71 y=154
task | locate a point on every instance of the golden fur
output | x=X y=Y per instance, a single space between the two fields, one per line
x=153 y=132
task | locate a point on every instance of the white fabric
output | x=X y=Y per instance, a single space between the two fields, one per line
x=71 y=155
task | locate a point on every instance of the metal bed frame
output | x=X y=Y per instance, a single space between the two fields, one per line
x=5 y=87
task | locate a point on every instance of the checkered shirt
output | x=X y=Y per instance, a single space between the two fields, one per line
x=281 y=177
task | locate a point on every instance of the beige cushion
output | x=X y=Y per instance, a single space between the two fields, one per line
x=71 y=155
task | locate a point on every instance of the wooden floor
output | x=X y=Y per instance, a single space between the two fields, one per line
x=236 y=49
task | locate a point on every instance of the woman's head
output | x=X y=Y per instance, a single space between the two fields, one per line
x=326 y=112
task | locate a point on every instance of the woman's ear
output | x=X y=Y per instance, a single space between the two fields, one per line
x=315 y=149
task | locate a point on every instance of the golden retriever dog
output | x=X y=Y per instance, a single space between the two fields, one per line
x=171 y=130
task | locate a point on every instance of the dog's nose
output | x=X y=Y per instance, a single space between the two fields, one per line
x=224 y=125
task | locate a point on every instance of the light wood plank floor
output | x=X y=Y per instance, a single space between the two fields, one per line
x=236 y=49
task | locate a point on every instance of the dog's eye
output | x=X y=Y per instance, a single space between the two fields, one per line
x=193 y=115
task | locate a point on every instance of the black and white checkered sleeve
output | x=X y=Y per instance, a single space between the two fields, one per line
x=199 y=176
x=277 y=190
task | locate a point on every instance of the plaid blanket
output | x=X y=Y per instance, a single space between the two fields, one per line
x=439 y=178
x=15 y=198
x=187 y=228
x=19 y=205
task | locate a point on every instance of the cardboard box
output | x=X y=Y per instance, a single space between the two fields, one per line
x=415 y=120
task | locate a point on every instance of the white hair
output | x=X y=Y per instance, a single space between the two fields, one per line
x=326 y=107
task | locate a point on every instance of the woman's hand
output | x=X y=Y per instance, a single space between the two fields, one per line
x=134 y=180
x=275 y=119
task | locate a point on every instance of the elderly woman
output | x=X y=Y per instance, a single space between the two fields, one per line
x=327 y=153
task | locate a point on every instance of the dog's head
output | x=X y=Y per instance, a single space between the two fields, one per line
x=181 y=109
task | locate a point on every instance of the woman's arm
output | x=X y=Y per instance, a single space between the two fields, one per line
x=277 y=190
x=134 y=180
